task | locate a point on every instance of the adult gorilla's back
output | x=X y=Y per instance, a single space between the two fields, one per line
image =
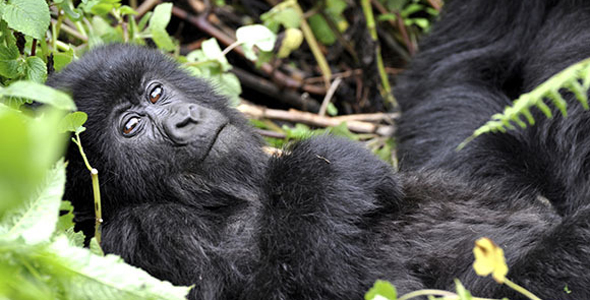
x=478 y=58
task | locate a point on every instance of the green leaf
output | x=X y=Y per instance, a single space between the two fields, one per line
x=65 y=225
x=229 y=85
x=332 y=110
x=9 y=65
x=288 y=17
x=255 y=35
x=212 y=51
x=73 y=122
x=321 y=30
x=381 y=290
x=29 y=147
x=62 y=59
x=30 y=17
x=36 y=70
x=95 y=247
x=108 y=277
x=461 y=291
x=40 y=93
x=35 y=221
x=335 y=7
x=157 y=27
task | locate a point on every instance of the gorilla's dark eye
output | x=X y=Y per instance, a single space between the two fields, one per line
x=156 y=93
x=130 y=126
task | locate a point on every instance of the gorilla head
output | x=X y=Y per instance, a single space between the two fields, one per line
x=156 y=132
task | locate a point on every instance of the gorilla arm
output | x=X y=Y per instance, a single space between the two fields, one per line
x=317 y=236
x=444 y=216
x=181 y=244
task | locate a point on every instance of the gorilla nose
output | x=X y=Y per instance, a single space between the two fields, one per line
x=186 y=115
x=184 y=122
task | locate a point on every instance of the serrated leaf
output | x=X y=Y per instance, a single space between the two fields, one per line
x=9 y=65
x=35 y=221
x=40 y=93
x=73 y=122
x=36 y=70
x=30 y=17
x=108 y=277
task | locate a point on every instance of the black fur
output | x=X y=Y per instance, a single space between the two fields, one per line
x=326 y=218
x=479 y=57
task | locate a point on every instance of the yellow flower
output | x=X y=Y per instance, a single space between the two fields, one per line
x=489 y=259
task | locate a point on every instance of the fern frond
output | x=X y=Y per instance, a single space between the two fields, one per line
x=575 y=78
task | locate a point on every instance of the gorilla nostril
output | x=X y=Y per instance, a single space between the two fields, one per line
x=186 y=115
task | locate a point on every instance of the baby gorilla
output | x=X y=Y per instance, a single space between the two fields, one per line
x=190 y=197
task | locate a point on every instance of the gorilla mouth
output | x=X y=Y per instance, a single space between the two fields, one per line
x=214 y=139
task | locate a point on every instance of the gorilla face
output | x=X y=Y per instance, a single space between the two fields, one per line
x=155 y=132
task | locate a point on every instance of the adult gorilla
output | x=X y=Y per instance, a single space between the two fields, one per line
x=191 y=198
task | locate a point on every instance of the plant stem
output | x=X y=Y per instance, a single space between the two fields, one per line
x=95 y=189
x=386 y=93
x=521 y=290
x=314 y=46
x=445 y=294
x=419 y=293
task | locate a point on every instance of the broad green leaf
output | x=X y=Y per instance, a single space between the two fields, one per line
x=35 y=221
x=9 y=65
x=30 y=17
x=229 y=85
x=108 y=277
x=289 y=17
x=381 y=290
x=36 y=70
x=73 y=122
x=62 y=59
x=127 y=10
x=255 y=35
x=40 y=93
x=335 y=7
x=212 y=51
x=157 y=27
x=321 y=30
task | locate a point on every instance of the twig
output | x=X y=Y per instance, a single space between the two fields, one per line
x=70 y=30
x=268 y=88
x=436 y=4
x=376 y=117
x=329 y=94
x=145 y=7
x=277 y=76
x=314 y=46
x=312 y=119
x=368 y=11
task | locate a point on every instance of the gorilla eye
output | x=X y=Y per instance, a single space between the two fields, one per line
x=130 y=126
x=156 y=93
